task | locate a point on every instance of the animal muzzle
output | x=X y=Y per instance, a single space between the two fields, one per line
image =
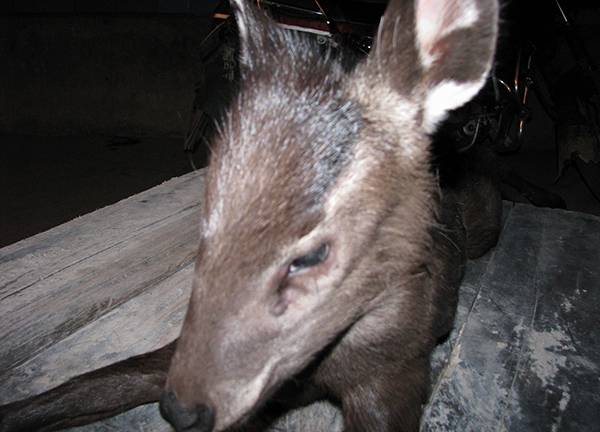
x=200 y=418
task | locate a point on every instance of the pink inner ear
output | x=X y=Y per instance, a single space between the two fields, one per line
x=438 y=18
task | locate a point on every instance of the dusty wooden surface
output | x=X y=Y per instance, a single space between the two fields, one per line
x=524 y=354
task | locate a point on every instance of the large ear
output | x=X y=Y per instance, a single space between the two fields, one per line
x=444 y=48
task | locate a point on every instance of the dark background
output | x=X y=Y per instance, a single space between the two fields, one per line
x=96 y=98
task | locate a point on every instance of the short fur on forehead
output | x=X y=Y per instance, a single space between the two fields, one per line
x=291 y=123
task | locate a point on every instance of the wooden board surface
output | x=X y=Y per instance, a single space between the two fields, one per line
x=55 y=283
x=524 y=354
x=525 y=357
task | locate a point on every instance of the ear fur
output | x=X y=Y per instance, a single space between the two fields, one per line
x=439 y=51
x=435 y=53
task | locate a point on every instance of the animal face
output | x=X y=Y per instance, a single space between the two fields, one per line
x=310 y=163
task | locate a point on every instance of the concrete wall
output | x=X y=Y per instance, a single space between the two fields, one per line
x=105 y=74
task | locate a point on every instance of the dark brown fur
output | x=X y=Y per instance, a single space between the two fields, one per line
x=312 y=154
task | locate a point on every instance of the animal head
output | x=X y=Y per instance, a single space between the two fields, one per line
x=310 y=161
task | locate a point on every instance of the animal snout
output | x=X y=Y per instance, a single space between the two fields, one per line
x=200 y=418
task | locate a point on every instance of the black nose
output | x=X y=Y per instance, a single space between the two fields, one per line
x=198 y=419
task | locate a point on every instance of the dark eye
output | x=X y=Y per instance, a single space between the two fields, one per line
x=310 y=260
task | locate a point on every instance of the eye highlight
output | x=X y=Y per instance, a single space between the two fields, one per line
x=311 y=259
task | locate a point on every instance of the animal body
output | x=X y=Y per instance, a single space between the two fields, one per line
x=329 y=254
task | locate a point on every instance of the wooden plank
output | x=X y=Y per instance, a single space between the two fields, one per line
x=33 y=259
x=145 y=418
x=60 y=304
x=144 y=323
x=102 y=277
x=471 y=284
x=519 y=357
x=557 y=383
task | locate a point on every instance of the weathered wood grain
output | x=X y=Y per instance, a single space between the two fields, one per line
x=525 y=356
x=33 y=259
x=144 y=323
x=145 y=418
x=475 y=272
x=93 y=280
x=556 y=385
